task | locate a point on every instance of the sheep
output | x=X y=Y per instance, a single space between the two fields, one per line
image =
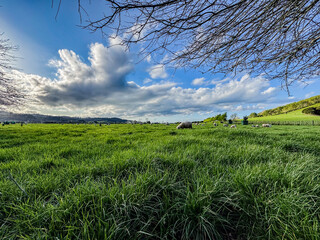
x=215 y=124
x=184 y=125
x=233 y=126
x=257 y=125
x=266 y=125
x=225 y=125
x=253 y=125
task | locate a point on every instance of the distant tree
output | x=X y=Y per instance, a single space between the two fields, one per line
x=9 y=94
x=253 y=115
x=224 y=117
x=279 y=38
x=233 y=116
x=266 y=113
x=312 y=110
x=219 y=117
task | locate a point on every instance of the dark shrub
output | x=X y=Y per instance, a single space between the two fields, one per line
x=312 y=110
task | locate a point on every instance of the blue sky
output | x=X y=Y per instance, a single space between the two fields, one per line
x=67 y=70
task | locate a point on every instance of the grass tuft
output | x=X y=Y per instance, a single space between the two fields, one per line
x=153 y=182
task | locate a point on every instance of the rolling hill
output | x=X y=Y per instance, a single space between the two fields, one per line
x=290 y=112
x=296 y=115
x=291 y=106
x=39 y=118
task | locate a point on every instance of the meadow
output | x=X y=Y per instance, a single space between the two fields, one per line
x=156 y=182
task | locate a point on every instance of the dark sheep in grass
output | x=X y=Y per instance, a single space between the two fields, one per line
x=184 y=125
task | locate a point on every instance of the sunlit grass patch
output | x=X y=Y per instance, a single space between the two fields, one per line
x=156 y=182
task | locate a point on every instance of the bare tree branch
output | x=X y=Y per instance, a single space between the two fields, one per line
x=280 y=38
x=9 y=94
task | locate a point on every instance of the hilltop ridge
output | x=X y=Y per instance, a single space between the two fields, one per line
x=39 y=118
x=304 y=110
x=290 y=107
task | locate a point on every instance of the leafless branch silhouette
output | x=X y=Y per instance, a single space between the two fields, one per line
x=9 y=93
x=280 y=38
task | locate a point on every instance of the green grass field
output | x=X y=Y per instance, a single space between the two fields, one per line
x=156 y=182
x=291 y=116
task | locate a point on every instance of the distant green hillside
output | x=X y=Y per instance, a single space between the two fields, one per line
x=296 y=115
x=291 y=107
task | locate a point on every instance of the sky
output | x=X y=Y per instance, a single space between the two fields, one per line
x=67 y=70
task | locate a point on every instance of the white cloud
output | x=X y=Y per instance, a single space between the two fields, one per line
x=158 y=71
x=305 y=83
x=215 y=82
x=270 y=90
x=148 y=58
x=78 y=83
x=147 y=80
x=100 y=88
x=310 y=94
x=137 y=31
x=199 y=81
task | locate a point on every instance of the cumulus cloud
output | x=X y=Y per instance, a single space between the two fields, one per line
x=198 y=81
x=158 y=71
x=269 y=91
x=99 y=88
x=239 y=108
x=79 y=83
